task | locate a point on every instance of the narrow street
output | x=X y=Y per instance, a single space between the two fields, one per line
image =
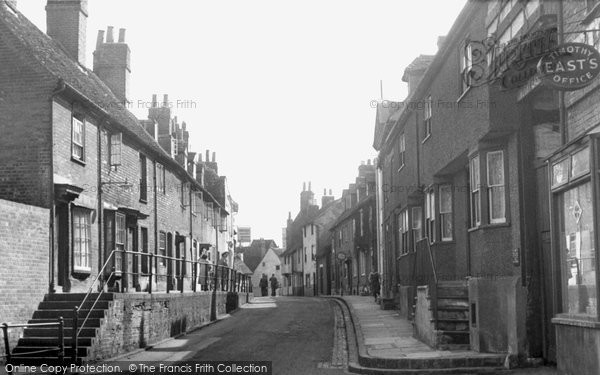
x=295 y=333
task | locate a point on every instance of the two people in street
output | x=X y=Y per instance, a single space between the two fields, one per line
x=264 y=285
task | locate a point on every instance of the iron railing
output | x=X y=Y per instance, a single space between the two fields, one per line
x=210 y=277
x=61 y=339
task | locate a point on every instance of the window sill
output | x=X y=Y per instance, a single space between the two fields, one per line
x=489 y=226
x=78 y=161
x=81 y=272
x=584 y=321
x=144 y=201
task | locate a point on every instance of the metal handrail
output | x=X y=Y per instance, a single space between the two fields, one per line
x=227 y=283
x=61 y=341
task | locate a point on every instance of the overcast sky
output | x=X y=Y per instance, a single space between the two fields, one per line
x=282 y=90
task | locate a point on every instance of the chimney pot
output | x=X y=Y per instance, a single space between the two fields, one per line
x=122 y=35
x=207 y=156
x=110 y=35
x=100 y=38
x=214 y=159
x=166 y=100
x=330 y=193
x=309 y=187
x=154 y=101
x=324 y=191
x=304 y=186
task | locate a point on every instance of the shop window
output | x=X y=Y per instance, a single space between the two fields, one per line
x=82 y=240
x=475 y=191
x=495 y=187
x=446 y=212
x=577 y=241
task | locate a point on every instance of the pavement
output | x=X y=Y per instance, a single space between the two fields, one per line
x=385 y=344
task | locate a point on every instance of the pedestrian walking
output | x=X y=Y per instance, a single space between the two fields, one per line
x=264 y=285
x=375 y=285
x=274 y=284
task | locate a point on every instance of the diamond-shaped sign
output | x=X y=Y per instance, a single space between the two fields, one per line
x=577 y=211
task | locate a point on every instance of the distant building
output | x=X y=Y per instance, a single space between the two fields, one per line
x=253 y=254
x=244 y=235
x=269 y=265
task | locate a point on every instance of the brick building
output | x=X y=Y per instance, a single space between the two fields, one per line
x=109 y=180
x=353 y=253
x=483 y=182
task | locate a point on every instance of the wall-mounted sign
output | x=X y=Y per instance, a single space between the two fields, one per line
x=341 y=256
x=570 y=66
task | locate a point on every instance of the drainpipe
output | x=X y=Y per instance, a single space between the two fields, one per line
x=51 y=249
x=562 y=113
x=213 y=304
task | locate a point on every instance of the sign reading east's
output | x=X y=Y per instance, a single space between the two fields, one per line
x=570 y=66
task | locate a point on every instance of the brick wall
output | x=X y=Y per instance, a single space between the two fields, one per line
x=24 y=245
x=25 y=145
x=135 y=321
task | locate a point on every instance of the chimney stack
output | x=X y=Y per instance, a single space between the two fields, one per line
x=327 y=199
x=66 y=22
x=112 y=63
x=307 y=197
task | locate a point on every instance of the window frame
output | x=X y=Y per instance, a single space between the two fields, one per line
x=143 y=178
x=427 y=118
x=490 y=187
x=416 y=229
x=475 y=191
x=161 y=178
x=446 y=215
x=120 y=235
x=80 y=143
x=115 y=149
x=78 y=214
x=430 y=215
x=401 y=152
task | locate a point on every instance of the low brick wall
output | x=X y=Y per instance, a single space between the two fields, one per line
x=24 y=261
x=135 y=321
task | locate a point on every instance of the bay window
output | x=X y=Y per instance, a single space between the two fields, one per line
x=446 y=212
x=495 y=187
x=475 y=191
x=430 y=215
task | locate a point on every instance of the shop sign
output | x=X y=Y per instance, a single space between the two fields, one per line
x=341 y=256
x=570 y=66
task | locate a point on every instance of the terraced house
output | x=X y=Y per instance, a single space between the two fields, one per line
x=486 y=201
x=353 y=236
x=130 y=206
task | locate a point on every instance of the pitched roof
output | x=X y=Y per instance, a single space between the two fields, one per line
x=421 y=63
x=254 y=253
x=31 y=46
x=240 y=266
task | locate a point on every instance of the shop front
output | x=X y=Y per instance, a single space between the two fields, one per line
x=574 y=202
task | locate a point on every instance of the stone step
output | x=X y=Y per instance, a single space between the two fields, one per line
x=77 y=297
x=51 y=332
x=444 y=303
x=91 y=322
x=453 y=314
x=23 y=351
x=67 y=314
x=53 y=341
x=452 y=292
x=69 y=305
x=453 y=337
x=453 y=325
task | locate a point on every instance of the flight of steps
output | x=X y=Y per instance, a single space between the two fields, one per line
x=452 y=327
x=41 y=338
